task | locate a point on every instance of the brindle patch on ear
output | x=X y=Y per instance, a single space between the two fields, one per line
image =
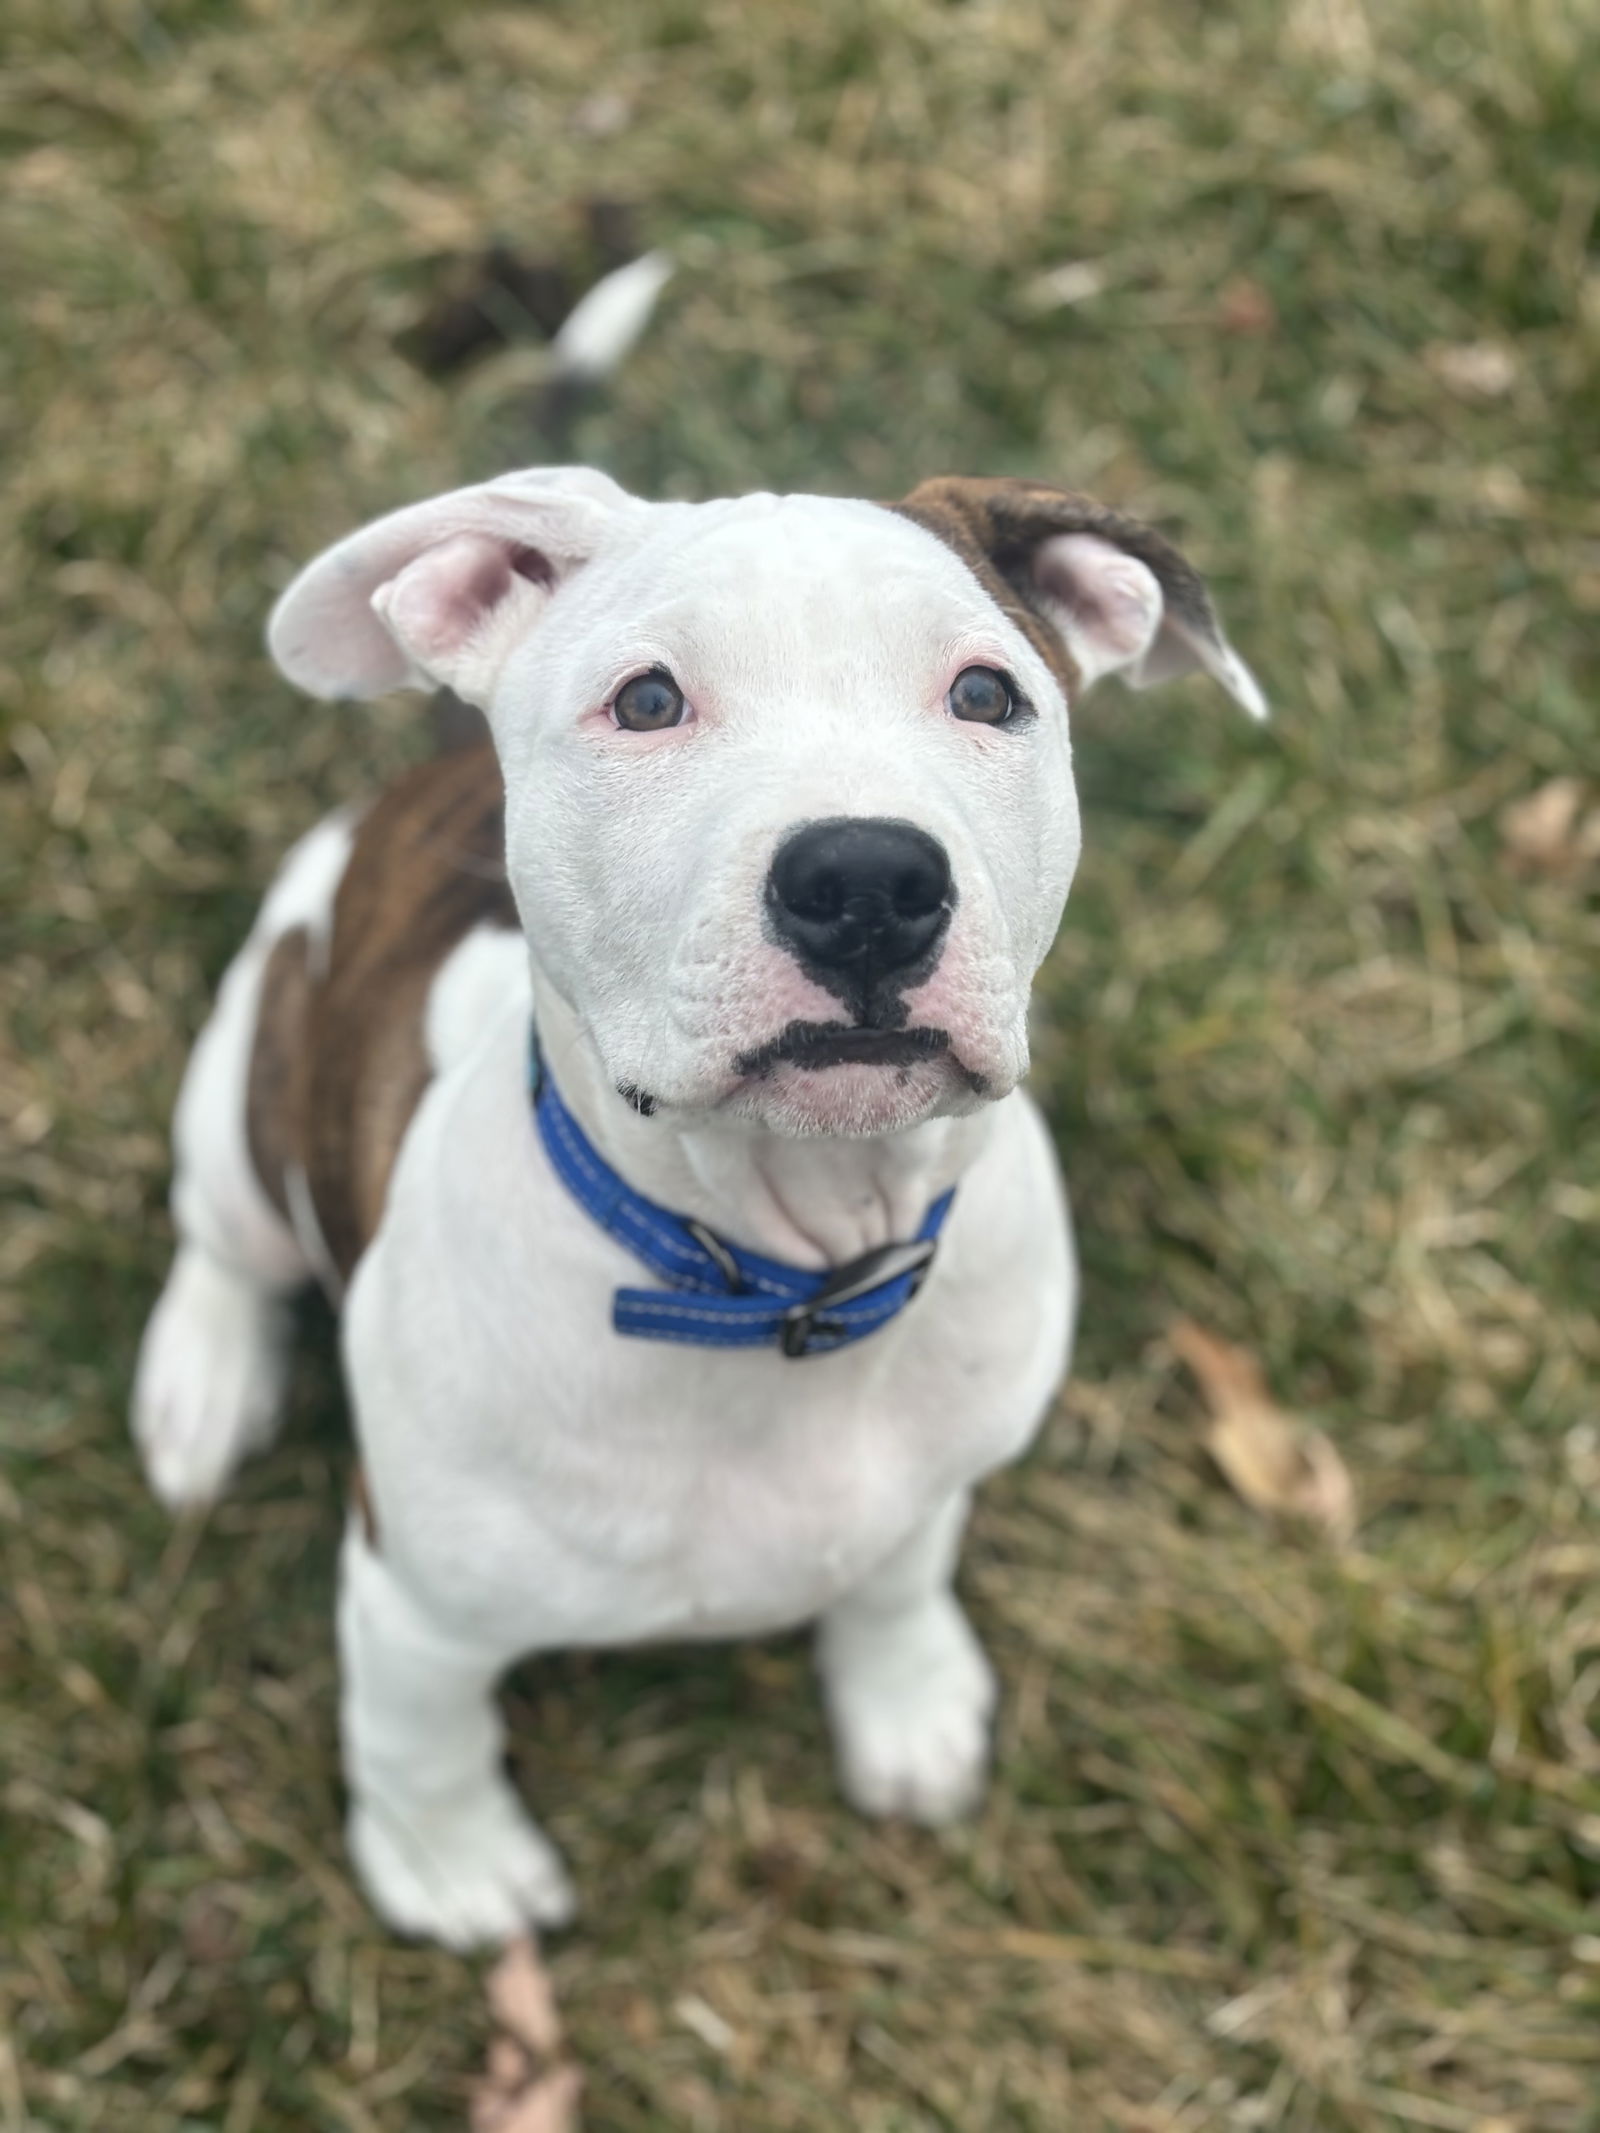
x=996 y=525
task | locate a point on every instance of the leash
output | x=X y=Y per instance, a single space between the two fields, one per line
x=719 y=1295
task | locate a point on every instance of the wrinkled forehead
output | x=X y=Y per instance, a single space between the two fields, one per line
x=802 y=590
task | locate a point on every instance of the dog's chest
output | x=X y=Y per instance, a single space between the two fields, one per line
x=557 y=1483
x=592 y=1490
x=755 y=1524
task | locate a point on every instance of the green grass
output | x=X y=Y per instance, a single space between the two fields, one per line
x=1279 y=1839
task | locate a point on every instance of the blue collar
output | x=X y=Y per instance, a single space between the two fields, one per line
x=719 y=1295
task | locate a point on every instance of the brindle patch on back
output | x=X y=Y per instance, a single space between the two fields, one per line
x=340 y=1059
x=996 y=525
x=275 y=1095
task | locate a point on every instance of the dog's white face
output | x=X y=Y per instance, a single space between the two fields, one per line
x=790 y=812
x=817 y=897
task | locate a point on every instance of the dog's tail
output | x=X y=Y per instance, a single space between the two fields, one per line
x=595 y=339
x=603 y=326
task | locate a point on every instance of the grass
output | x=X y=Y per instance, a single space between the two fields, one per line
x=1279 y=1839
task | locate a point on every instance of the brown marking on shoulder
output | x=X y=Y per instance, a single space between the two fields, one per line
x=275 y=1089
x=426 y=868
x=995 y=526
x=339 y=1061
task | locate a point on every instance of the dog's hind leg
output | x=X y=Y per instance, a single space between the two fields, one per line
x=213 y=1363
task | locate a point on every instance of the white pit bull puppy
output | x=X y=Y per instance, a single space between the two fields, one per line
x=648 y=1088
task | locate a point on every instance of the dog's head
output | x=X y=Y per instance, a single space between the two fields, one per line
x=790 y=816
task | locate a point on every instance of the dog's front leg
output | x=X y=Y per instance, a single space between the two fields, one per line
x=438 y=1836
x=908 y=1689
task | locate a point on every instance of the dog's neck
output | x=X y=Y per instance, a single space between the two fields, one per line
x=813 y=1202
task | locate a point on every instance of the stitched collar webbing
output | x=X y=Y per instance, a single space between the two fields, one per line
x=719 y=1295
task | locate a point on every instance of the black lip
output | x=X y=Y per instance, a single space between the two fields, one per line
x=816 y=1045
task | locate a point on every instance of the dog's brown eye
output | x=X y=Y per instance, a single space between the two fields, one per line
x=649 y=702
x=981 y=695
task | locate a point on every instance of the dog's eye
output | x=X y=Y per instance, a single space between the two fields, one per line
x=982 y=696
x=649 y=702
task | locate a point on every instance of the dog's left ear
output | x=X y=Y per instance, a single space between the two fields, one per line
x=436 y=592
x=1097 y=593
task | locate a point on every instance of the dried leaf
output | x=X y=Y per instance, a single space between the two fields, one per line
x=509 y=2068
x=600 y=116
x=488 y=2107
x=1477 y=370
x=522 y=2089
x=1276 y=1462
x=696 y=2014
x=1075 y=281
x=522 y=2000
x=1245 y=308
x=210 y=1928
x=549 y=2105
x=1548 y=832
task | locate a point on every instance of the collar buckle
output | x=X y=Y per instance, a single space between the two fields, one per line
x=803 y=1323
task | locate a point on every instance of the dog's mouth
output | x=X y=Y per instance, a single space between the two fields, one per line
x=817 y=1045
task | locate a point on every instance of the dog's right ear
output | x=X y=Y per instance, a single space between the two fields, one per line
x=439 y=591
x=1098 y=593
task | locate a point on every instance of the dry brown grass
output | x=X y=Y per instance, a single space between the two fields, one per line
x=1280 y=1839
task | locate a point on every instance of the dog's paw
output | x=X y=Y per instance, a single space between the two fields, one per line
x=210 y=1382
x=910 y=1707
x=470 y=1873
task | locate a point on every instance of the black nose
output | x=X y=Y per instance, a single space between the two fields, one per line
x=859 y=896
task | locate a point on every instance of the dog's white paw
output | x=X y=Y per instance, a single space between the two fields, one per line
x=210 y=1381
x=910 y=1705
x=470 y=1872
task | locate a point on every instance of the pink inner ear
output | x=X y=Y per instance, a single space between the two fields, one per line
x=1111 y=602
x=441 y=599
